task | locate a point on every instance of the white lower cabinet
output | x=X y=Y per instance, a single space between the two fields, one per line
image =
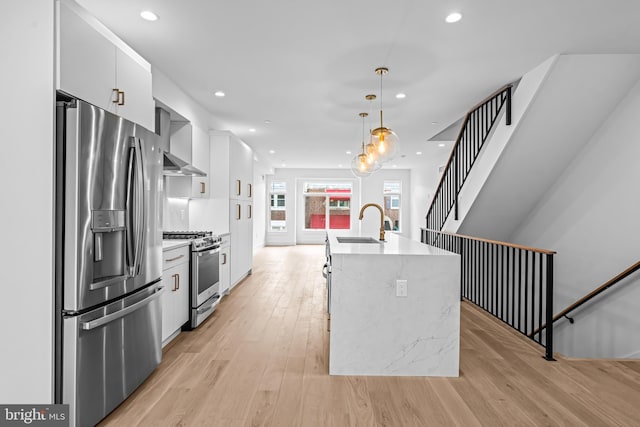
x=225 y=262
x=175 y=299
x=241 y=230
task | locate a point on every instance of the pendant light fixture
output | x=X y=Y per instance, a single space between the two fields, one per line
x=360 y=166
x=384 y=138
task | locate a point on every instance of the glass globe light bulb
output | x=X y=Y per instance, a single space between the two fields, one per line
x=387 y=143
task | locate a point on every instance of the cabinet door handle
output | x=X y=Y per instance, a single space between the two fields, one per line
x=249 y=212
x=178 y=277
x=238 y=211
x=119 y=96
x=175 y=282
x=238 y=187
x=202 y=188
x=173 y=259
x=250 y=189
x=224 y=259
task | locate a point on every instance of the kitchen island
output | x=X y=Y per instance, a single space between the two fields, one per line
x=395 y=307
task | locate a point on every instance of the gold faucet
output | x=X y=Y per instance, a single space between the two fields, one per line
x=381 y=217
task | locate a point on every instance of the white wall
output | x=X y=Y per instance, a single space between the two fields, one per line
x=424 y=181
x=27 y=183
x=590 y=217
x=259 y=207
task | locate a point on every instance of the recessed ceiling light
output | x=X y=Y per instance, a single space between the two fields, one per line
x=284 y=165
x=348 y=152
x=148 y=15
x=401 y=95
x=441 y=145
x=453 y=17
x=419 y=153
x=434 y=123
x=340 y=166
x=272 y=152
x=395 y=166
x=219 y=94
x=267 y=122
x=252 y=129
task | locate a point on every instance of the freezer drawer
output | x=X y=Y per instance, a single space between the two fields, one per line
x=108 y=353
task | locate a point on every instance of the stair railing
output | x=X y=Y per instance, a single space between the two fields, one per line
x=475 y=130
x=591 y=295
x=513 y=283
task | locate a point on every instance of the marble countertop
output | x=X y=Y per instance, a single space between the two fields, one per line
x=393 y=245
x=174 y=243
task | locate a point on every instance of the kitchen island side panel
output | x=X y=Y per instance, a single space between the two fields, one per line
x=375 y=332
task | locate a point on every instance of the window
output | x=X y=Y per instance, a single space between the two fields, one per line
x=278 y=213
x=327 y=200
x=392 y=192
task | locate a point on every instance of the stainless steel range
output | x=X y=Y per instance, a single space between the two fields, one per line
x=205 y=272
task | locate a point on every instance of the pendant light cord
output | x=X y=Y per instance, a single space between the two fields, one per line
x=381 y=73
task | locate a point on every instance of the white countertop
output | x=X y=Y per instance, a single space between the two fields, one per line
x=393 y=245
x=174 y=243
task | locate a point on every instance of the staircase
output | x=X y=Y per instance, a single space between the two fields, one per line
x=563 y=174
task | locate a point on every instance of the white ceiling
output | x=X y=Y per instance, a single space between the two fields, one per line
x=307 y=65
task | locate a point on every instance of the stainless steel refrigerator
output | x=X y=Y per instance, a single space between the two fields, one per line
x=108 y=258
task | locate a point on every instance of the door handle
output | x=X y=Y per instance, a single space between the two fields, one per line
x=118 y=96
x=202 y=188
x=175 y=282
x=87 y=326
x=238 y=211
x=224 y=259
x=238 y=187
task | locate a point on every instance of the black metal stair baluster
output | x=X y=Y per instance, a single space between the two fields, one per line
x=526 y=290
x=549 y=309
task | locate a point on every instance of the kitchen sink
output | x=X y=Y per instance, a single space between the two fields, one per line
x=352 y=239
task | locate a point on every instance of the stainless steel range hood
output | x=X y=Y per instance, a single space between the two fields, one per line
x=173 y=165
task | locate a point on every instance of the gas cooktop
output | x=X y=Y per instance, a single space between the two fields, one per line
x=185 y=235
x=200 y=240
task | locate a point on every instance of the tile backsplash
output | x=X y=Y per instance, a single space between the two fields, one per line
x=175 y=214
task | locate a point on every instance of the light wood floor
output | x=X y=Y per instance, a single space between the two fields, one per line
x=262 y=359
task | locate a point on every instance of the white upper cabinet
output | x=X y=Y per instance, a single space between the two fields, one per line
x=136 y=94
x=200 y=155
x=96 y=69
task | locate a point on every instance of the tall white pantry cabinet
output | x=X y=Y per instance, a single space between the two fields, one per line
x=232 y=181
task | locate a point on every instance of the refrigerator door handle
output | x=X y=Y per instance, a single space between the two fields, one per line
x=135 y=208
x=140 y=206
x=87 y=326
x=130 y=211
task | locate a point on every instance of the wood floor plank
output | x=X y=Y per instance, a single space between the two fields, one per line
x=262 y=359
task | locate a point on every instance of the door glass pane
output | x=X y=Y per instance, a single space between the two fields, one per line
x=340 y=211
x=392 y=212
x=277 y=209
x=314 y=212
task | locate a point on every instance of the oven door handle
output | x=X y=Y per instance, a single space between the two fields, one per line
x=208 y=252
x=209 y=305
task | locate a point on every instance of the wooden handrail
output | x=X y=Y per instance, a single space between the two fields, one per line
x=609 y=283
x=496 y=242
x=464 y=125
